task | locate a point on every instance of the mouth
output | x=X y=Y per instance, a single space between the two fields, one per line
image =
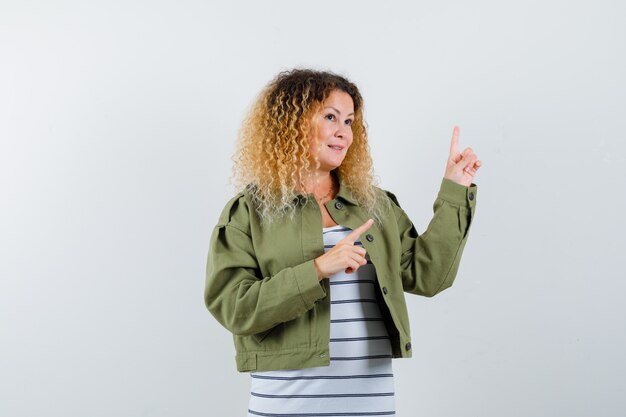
x=336 y=147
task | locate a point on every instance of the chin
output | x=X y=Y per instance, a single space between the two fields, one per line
x=330 y=167
x=332 y=163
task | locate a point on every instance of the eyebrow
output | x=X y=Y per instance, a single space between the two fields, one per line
x=331 y=107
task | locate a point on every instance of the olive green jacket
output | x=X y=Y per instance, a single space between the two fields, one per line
x=262 y=286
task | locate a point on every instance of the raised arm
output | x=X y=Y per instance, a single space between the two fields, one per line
x=430 y=261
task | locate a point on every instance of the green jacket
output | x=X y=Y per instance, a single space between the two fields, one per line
x=262 y=286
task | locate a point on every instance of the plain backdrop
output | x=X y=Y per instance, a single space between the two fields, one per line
x=117 y=125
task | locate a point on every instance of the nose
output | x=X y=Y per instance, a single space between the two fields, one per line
x=343 y=130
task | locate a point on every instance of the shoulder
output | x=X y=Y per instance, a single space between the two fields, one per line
x=388 y=198
x=389 y=206
x=389 y=195
x=237 y=211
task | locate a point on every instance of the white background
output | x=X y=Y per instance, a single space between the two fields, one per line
x=117 y=124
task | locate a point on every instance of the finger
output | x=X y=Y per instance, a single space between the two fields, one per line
x=363 y=253
x=467 y=154
x=470 y=171
x=476 y=164
x=474 y=167
x=454 y=143
x=352 y=266
x=360 y=259
x=468 y=151
x=468 y=162
x=354 y=235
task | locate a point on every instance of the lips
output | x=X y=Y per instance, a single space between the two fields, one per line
x=336 y=147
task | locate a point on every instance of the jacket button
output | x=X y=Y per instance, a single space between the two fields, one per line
x=385 y=291
x=408 y=346
x=369 y=237
x=471 y=195
x=338 y=205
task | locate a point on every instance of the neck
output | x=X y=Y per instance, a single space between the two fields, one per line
x=320 y=184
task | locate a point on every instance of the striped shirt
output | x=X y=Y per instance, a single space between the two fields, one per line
x=359 y=380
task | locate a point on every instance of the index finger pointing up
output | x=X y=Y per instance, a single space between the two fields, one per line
x=454 y=144
x=354 y=235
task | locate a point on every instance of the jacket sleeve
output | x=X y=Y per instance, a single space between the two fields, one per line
x=236 y=294
x=429 y=262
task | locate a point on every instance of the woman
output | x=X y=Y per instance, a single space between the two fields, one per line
x=308 y=265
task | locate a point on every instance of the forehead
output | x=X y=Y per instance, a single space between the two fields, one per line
x=340 y=100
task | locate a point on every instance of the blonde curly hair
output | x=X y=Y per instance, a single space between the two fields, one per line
x=272 y=158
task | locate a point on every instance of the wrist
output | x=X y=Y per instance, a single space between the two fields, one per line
x=318 y=271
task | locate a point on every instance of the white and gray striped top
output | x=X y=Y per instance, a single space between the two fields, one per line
x=359 y=380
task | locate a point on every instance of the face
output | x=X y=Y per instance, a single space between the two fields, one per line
x=334 y=130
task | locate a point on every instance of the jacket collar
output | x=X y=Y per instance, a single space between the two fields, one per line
x=344 y=192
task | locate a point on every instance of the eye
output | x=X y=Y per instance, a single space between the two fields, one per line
x=349 y=122
x=330 y=117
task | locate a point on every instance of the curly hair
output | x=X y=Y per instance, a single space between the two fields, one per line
x=272 y=157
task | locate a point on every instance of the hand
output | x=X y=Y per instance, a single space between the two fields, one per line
x=461 y=167
x=344 y=256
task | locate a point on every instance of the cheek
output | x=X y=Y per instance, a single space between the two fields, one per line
x=316 y=139
x=314 y=147
x=350 y=140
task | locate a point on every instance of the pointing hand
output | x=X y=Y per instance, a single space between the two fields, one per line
x=344 y=256
x=461 y=167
